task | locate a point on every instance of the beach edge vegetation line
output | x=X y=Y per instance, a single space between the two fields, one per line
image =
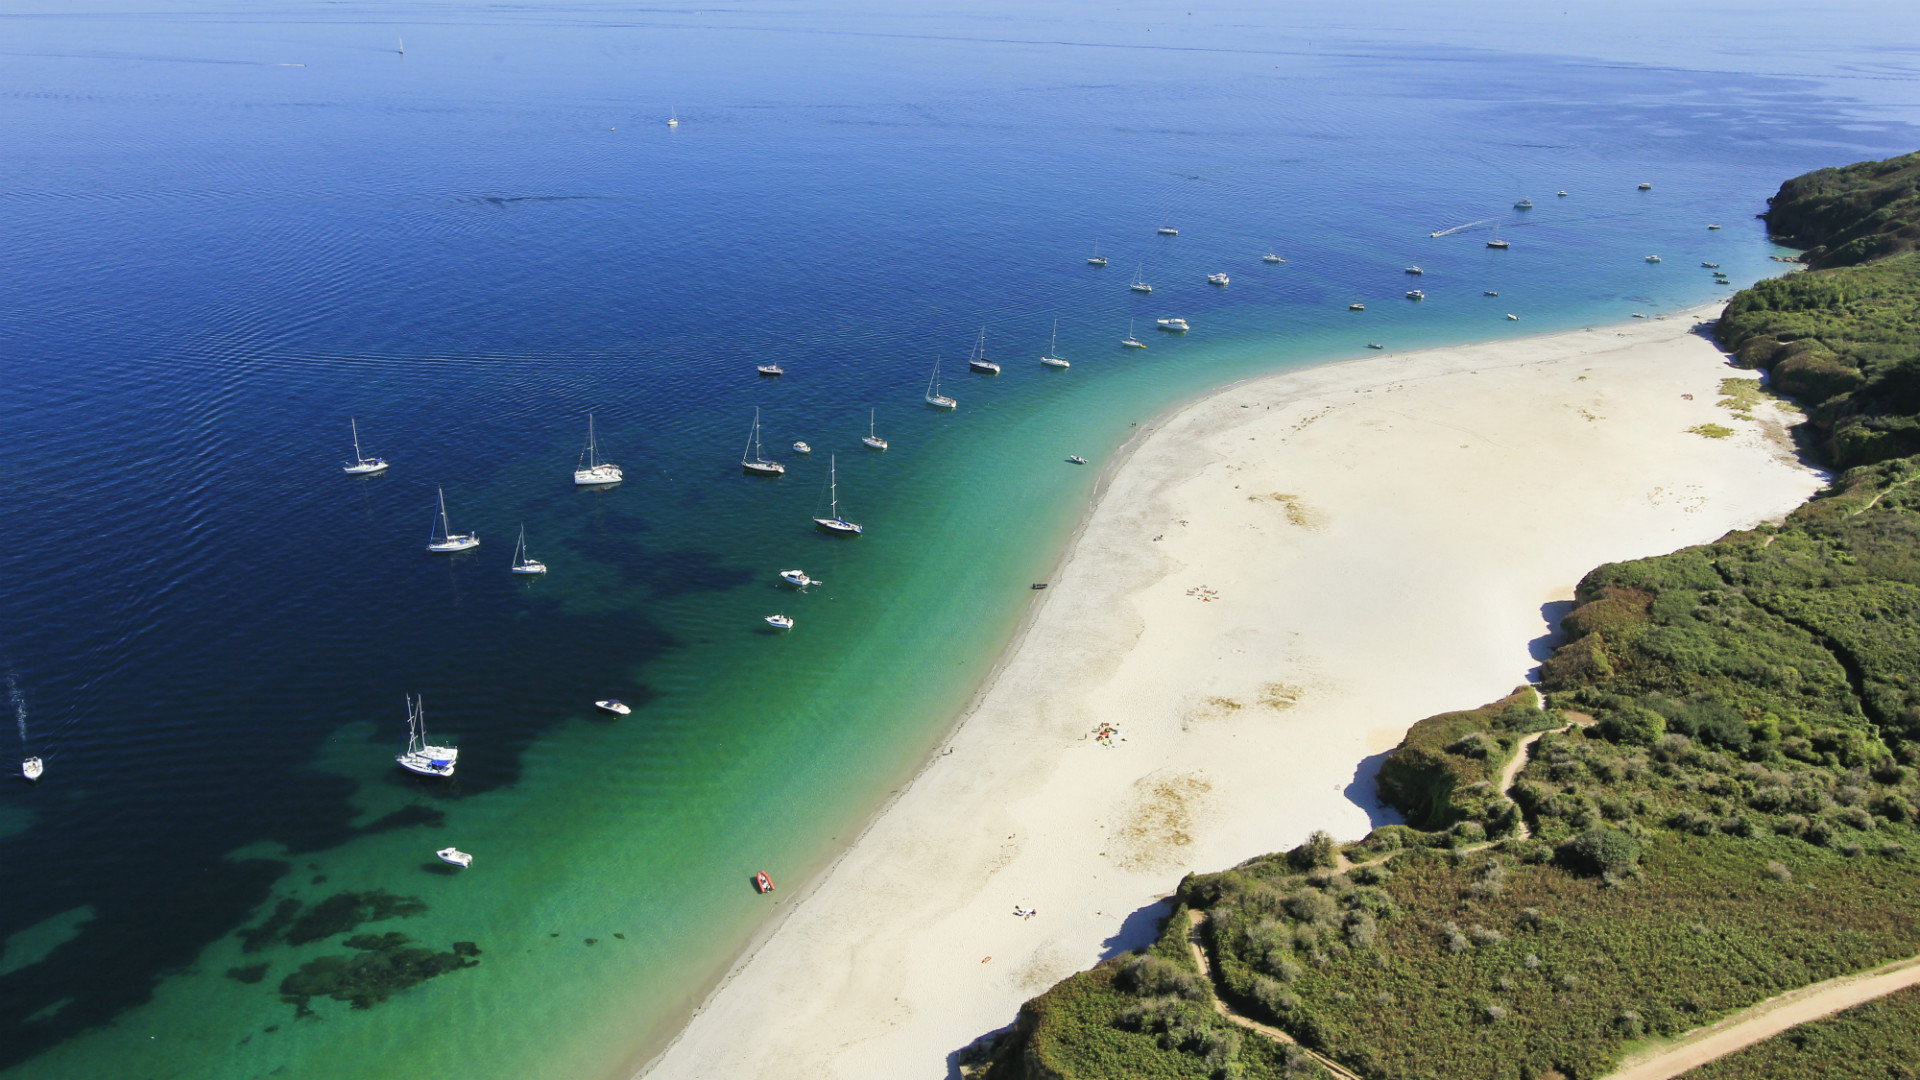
x=1718 y=803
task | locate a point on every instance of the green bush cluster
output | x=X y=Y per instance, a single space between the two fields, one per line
x=1443 y=773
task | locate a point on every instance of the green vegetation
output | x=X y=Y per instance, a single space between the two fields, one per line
x=1871 y=1040
x=1711 y=431
x=1720 y=804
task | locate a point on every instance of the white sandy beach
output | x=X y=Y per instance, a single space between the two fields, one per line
x=1281 y=579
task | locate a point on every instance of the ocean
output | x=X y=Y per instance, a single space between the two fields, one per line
x=229 y=229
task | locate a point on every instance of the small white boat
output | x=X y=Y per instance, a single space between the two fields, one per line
x=614 y=706
x=1048 y=358
x=1713 y=226
x=1356 y=307
x=524 y=562
x=32 y=768
x=1491 y=292
x=934 y=397
x=1139 y=284
x=977 y=361
x=363 y=465
x=833 y=522
x=1131 y=342
x=751 y=459
x=673 y=117
x=798 y=578
x=1413 y=270
x=1563 y=194
x=1523 y=204
x=1513 y=317
x=870 y=439
x=770 y=369
x=1639 y=315
x=780 y=622
x=1653 y=258
x=1498 y=244
x=1646 y=187
x=1416 y=294
x=1270 y=257
x=1216 y=279
x=455 y=857
x=422 y=757
x=1711 y=266
x=1375 y=345
x=1168 y=230
x=590 y=470
x=1173 y=326
x=802 y=448
x=442 y=540
x=1097 y=259
x=1077 y=459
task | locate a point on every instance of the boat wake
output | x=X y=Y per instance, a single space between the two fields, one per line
x=1463 y=228
x=19 y=706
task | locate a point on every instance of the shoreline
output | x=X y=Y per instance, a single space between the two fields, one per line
x=820 y=989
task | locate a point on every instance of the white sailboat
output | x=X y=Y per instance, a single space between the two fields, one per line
x=752 y=460
x=443 y=540
x=934 y=396
x=1048 y=358
x=1097 y=259
x=871 y=439
x=32 y=768
x=673 y=117
x=1139 y=280
x=1131 y=342
x=363 y=465
x=594 y=471
x=978 y=361
x=523 y=561
x=423 y=757
x=833 y=522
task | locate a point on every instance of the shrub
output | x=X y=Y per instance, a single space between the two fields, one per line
x=1599 y=850
x=1319 y=851
x=1148 y=975
x=1632 y=726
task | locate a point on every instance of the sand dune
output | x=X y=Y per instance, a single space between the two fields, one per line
x=1277 y=582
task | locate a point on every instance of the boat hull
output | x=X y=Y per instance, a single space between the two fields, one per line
x=531 y=568
x=370 y=468
x=598 y=475
x=454 y=857
x=428 y=762
x=943 y=402
x=873 y=442
x=454 y=544
x=1054 y=362
x=839 y=527
x=984 y=367
x=763 y=468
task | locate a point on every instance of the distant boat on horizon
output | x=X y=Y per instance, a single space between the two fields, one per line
x=362 y=465
x=445 y=541
x=595 y=471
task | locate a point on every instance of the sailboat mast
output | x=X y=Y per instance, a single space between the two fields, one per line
x=358 y=458
x=833 y=486
x=446 y=530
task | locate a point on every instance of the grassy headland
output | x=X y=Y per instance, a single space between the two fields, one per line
x=1718 y=803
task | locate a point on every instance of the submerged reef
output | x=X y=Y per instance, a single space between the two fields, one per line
x=381 y=966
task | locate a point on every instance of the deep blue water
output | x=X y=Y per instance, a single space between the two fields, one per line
x=225 y=230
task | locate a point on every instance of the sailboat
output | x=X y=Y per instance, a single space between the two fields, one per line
x=363 y=465
x=934 y=396
x=1131 y=342
x=1048 y=358
x=978 y=360
x=1139 y=281
x=673 y=117
x=752 y=460
x=32 y=768
x=1168 y=230
x=871 y=439
x=833 y=522
x=1496 y=242
x=1270 y=257
x=443 y=540
x=422 y=757
x=523 y=561
x=403 y=45
x=1097 y=259
x=596 y=471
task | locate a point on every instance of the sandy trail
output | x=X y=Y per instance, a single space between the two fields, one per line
x=1282 y=578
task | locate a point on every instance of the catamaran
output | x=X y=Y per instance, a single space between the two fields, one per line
x=523 y=561
x=934 y=396
x=443 y=540
x=1131 y=342
x=1048 y=358
x=833 y=522
x=1097 y=259
x=752 y=460
x=595 y=470
x=978 y=361
x=1139 y=283
x=422 y=757
x=872 y=439
x=363 y=465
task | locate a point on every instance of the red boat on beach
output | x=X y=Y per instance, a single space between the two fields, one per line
x=762 y=882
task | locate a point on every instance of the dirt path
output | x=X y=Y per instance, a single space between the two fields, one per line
x=1767 y=1019
x=1197 y=919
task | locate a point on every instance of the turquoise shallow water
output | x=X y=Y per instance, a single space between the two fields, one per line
x=214 y=259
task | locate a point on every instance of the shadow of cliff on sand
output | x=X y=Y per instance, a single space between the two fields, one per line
x=1360 y=791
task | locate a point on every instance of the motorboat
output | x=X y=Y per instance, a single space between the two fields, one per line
x=770 y=369
x=762 y=882
x=1414 y=270
x=368 y=466
x=1270 y=257
x=1375 y=345
x=1139 y=283
x=833 y=522
x=797 y=578
x=1498 y=244
x=453 y=856
x=802 y=448
x=1416 y=294
x=1639 y=315
x=978 y=361
x=1563 y=194
x=1173 y=326
x=590 y=470
x=614 y=706
x=1096 y=259
x=421 y=756
x=1131 y=342
x=780 y=622
x=32 y=768
x=933 y=396
x=442 y=540
x=1491 y=292
x=1077 y=459
x=1049 y=358
x=1216 y=279
x=1713 y=226
x=871 y=440
x=1523 y=204
x=1356 y=307
x=1646 y=187
x=1653 y=258
x=523 y=561
x=1711 y=266
x=752 y=460
x=1513 y=317
x=1168 y=230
